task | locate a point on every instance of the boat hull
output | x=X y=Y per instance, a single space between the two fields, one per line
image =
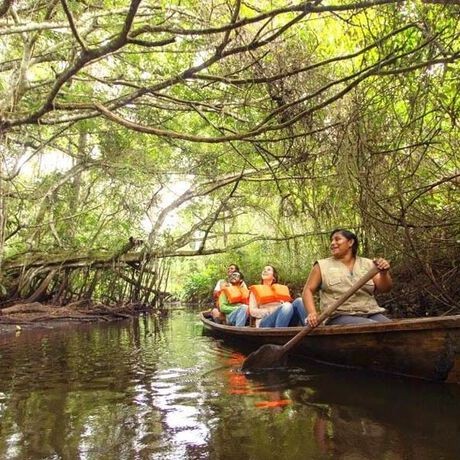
x=427 y=348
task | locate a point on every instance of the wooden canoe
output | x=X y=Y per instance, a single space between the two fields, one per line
x=426 y=348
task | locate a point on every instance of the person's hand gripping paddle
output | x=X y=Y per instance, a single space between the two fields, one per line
x=270 y=356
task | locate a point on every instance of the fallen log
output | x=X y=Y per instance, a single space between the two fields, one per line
x=31 y=307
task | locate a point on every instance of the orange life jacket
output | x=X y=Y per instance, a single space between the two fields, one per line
x=266 y=294
x=236 y=294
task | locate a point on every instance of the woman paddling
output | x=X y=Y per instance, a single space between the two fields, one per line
x=335 y=275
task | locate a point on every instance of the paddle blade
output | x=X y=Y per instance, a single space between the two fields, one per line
x=266 y=357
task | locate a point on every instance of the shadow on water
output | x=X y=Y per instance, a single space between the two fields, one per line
x=339 y=413
x=368 y=416
x=157 y=388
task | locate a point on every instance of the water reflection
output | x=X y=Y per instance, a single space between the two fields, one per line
x=398 y=418
x=156 y=388
x=359 y=416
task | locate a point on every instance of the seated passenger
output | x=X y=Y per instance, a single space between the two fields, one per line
x=233 y=301
x=333 y=276
x=215 y=312
x=224 y=282
x=269 y=302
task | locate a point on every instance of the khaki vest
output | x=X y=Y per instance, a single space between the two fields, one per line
x=336 y=280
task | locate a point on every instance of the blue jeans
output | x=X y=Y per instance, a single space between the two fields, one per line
x=351 y=319
x=281 y=317
x=238 y=316
x=300 y=313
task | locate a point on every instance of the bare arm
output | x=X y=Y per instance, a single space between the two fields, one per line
x=382 y=281
x=254 y=309
x=260 y=311
x=311 y=286
x=219 y=286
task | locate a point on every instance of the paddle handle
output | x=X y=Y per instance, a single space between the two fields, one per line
x=331 y=309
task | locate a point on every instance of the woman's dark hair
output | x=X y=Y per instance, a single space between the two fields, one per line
x=349 y=236
x=237 y=269
x=275 y=274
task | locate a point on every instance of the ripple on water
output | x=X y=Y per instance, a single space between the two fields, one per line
x=162 y=390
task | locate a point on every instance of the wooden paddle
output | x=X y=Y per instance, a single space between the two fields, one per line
x=270 y=356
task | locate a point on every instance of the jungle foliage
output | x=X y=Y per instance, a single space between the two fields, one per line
x=144 y=141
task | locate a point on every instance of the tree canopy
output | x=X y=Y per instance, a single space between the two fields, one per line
x=244 y=128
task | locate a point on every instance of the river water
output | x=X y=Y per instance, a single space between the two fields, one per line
x=157 y=388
